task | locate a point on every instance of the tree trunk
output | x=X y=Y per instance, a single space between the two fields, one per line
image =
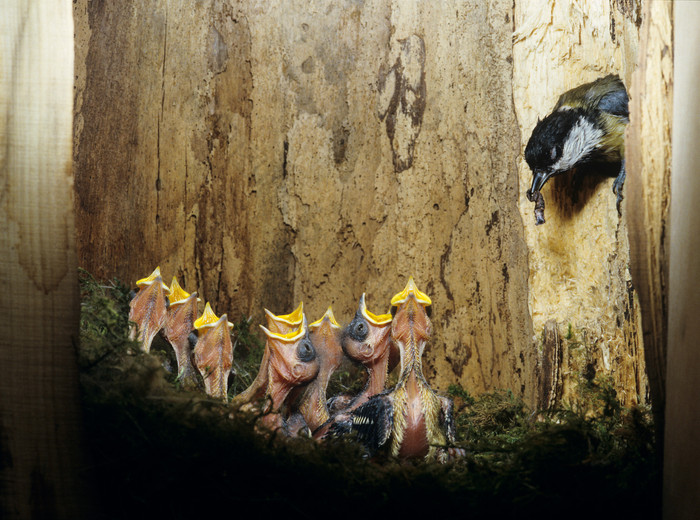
x=578 y=260
x=273 y=152
x=39 y=410
x=649 y=191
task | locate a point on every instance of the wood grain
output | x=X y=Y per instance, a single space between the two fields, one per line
x=649 y=190
x=40 y=457
x=267 y=153
x=682 y=412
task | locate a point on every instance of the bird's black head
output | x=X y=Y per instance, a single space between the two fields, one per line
x=545 y=148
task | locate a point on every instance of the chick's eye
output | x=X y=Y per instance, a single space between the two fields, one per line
x=305 y=351
x=360 y=330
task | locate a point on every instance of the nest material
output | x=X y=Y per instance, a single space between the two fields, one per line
x=159 y=450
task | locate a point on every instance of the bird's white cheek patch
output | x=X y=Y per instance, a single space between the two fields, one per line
x=581 y=141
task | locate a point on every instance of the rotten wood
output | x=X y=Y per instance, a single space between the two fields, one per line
x=549 y=367
x=648 y=190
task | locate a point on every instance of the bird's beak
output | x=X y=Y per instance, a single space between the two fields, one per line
x=538 y=179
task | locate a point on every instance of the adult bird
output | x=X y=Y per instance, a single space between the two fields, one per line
x=585 y=129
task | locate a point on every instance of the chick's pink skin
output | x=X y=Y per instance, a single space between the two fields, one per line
x=376 y=352
x=213 y=355
x=283 y=324
x=325 y=337
x=178 y=326
x=411 y=329
x=286 y=370
x=148 y=309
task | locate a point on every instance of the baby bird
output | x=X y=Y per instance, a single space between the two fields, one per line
x=367 y=340
x=411 y=420
x=282 y=324
x=325 y=337
x=586 y=127
x=293 y=362
x=182 y=313
x=148 y=309
x=213 y=353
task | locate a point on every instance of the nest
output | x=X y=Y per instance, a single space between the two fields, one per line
x=160 y=450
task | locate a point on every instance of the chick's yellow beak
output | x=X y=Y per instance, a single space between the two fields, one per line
x=409 y=290
x=177 y=294
x=209 y=319
x=327 y=316
x=153 y=277
x=374 y=319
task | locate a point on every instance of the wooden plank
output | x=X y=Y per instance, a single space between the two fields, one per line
x=39 y=411
x=681 y=452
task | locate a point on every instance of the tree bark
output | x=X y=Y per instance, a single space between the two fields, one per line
x=284 y=151
x=40 y=459
x=271 y=153
x=578 y=261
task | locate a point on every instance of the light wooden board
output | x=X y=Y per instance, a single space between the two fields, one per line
x=40 y=459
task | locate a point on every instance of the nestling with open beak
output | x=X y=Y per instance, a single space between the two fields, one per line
x=411 y=419
x=293 y=362
x=182 y=313
x=282 y=324
x=148 y=309
x=367 y=340
x=585 y=129
x=213 y=353
x=325 y=337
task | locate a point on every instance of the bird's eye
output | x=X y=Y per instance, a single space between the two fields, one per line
x=553 y=153
x=359 y=330
x=306 y=351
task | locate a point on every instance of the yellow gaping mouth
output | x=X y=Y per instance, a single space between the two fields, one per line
x=409 y=290
x=327 y=316
x=374 y=319
x=154 y=276
x=290 y=337
x=177 y=294
x=209 y=319
x=293 y=318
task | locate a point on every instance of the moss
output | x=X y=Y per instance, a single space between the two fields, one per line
x=569 y=332
x=248 y=351
x=164 y=452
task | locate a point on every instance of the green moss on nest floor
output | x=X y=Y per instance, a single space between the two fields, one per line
x=161 y=452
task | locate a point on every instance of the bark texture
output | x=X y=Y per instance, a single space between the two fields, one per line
x=39 y=409
x=267 y=153
x=649 y=190
x=284 y=151
x=579 y=260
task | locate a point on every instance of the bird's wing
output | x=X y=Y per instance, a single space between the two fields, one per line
x=609 y=95
x=447 y=419
x=616 y=103
x=373 y=422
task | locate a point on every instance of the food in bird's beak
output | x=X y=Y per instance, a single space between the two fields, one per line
x=538 y=199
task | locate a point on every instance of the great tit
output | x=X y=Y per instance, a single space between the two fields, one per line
x=586 y=127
